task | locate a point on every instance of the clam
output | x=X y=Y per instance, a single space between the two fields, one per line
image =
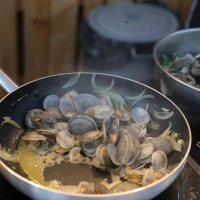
x=139 y=164
x=140 y=115
x=135 y=151
x=51 y=105
x=160 y=143
x=51 y=101
x=159 y=160
x=124 y=148
x=105 y=100
x=65 y=140
x=67 y=105
x=121 y=113
x=39 y=118
x=61 y=126
x=90 y=148
x=58 y=149
x=85 y=101
x=75 y=156
x=69 y=95
x=90 y=136
x=33 y=136
x=80 y=124
x=110 y=130
x=29 y=117
x=47 y=132
x=86 y=188
x=55 y=112
x=75 y=153
x=35 y=141
x=112 y=134
x=186 y=60
x=67 y=108
x=105 y=128
x=112 y=152
x=145 y=151
x=137 y=131
x=97 y=164
x=126 y=129
x=99 y=112
x=103 y=156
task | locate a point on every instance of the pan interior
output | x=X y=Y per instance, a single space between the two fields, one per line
x=33 y=94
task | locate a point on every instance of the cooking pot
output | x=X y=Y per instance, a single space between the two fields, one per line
x=187 y=97
x=31 y=95
x=114 y=34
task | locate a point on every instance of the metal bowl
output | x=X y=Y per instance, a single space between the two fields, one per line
x=187 y=97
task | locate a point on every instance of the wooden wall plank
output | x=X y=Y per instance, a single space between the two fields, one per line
x=36 y=38
x=63 y=35
x=173 y=4
x=185 y=9
x=2 y=93
x=8 y=38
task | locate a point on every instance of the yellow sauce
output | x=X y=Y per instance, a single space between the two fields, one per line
x=32 y=164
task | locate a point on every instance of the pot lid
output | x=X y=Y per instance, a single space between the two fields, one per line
x=129 y=22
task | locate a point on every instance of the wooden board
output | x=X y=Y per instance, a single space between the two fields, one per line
x=50 y=31
x=2 y=93
x=185 y=9
x=8 y=38
x=36 y=38
x=63 y=35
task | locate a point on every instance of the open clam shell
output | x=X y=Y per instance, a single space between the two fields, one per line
x=85 y=101
x=160 y=143
x=140 y=115
x=51 y=101
x=145 y=151
x=65 y=140
x=90 y=136
x=159 y=160
x=80 y=124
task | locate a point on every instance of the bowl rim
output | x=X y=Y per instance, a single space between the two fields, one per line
x=160 y=66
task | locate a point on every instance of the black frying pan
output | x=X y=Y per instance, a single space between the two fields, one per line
x=31 y=95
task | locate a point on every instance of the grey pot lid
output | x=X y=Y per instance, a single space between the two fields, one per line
x=129 y=22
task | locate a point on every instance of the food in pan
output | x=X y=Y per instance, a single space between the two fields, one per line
x=186 y=67
x=117 y=135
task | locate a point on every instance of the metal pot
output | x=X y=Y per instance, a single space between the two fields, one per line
x=184 y=95
x=31 y=96
x=114 y=34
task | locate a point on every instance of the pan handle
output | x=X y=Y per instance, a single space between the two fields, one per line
x=6 y=83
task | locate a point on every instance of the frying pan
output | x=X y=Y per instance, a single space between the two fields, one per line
x=31 y=95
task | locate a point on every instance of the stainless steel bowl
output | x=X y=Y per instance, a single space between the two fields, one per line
x=184 y=95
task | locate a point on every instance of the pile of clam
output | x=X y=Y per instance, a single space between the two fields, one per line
x=95 y=130
x=185 y=68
